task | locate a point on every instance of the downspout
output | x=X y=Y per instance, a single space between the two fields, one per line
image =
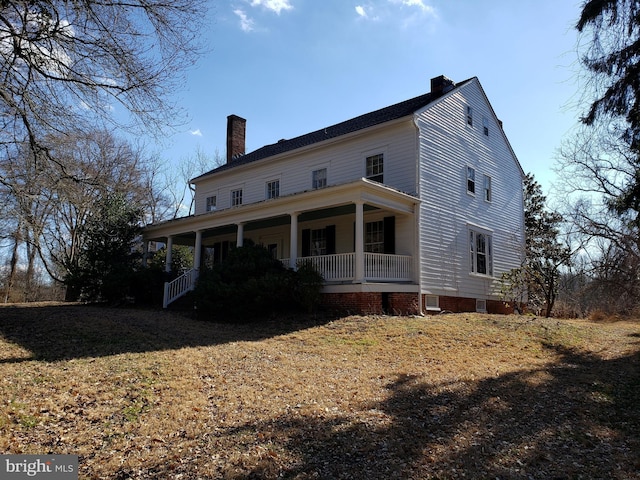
x=417 y=215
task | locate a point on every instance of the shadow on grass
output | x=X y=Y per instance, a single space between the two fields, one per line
x=579 y=418
x=63 y=332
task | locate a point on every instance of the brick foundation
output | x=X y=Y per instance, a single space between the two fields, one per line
x=463 y=304
x=372 y=303
x=392 y=303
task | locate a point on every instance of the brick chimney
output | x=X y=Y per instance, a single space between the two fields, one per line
x=441 y=85
x=236 y=127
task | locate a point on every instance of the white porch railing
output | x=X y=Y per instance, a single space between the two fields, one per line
x=377 y=266
x=178 y=287
x=388 y=268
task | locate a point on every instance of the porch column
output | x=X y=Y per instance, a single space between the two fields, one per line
x=197 y=252
x=359 y=253
x=293 y=241
x=169 y=254
x=240 y=235
x=145 y=252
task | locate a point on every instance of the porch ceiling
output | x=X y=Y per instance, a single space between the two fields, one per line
x=329 y=201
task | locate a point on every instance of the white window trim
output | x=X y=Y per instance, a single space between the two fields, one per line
x=489 y=190
x=231 y=192
x=372 y=176
x=266 y=188
x=318 y=168
x=476 y=229
x=207 y=206
x=466 y=180
x=481 y=305
x=435 y=303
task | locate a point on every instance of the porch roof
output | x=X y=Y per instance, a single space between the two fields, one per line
x=363 y=190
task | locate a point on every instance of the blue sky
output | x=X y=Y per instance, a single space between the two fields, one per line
x=293 y=66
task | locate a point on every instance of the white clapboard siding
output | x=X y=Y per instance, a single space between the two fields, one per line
x=447 y=146
x=343 y=158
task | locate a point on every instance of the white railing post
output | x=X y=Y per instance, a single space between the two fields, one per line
x=179 y=287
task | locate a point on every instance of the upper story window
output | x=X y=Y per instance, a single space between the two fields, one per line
x=471 y=180
x=273 y=189
x=469 y=116
x=487 y=188
x=374 y=237
x=211 y=203
x=481 y=254
x=319 y=178
x=236 y=197
x=375 y=167
x=485 y=126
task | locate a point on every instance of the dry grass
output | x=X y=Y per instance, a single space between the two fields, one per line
x=154 y=395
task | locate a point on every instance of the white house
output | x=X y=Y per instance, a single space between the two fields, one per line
x=411 y=208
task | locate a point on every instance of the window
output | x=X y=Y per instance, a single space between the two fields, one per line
x=211 y=203
x=236 y=197
x=273 y=189
x=480 y=253
x=471 y=180
x=374 y=237
x=485 y=126
x=375 y=167
x=432 y=302
x=481 y=305
x=487 y=188
x=319 y=178
x=469 y=116
x=318 y=242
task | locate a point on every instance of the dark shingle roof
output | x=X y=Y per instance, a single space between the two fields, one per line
x=387 y=114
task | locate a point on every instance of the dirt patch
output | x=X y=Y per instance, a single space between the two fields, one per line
x=140 y=394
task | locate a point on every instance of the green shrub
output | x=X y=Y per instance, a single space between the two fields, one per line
x=251 y=284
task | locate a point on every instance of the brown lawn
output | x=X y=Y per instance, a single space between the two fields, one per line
x=156 y=395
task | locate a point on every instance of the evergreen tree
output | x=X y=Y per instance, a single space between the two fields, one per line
x=108 y=260
x=612 y=58
x=544 y=254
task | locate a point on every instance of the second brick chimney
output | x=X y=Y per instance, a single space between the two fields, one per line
x=236 y=128
x=441 y=85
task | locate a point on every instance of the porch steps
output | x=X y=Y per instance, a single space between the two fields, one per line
x=179 y=287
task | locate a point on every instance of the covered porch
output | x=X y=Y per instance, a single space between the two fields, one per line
x=353 y=234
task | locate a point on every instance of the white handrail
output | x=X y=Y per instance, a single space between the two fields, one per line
x=179 y=287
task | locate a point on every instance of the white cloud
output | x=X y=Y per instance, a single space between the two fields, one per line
x=417 y=3
x=274 y=5
x=196 y=132
x=420 y=4
x=246 y=24
x=361 y=11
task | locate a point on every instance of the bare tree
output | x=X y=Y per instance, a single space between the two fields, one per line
x=596 y=168
x=65 y=64
x=100 y=165
x=189 y=167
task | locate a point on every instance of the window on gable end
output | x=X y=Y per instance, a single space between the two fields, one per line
x=471 y=180
x=375 y=168
x=480 y=253
x=485 y=126
x=487 y=188
x=469 y=116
